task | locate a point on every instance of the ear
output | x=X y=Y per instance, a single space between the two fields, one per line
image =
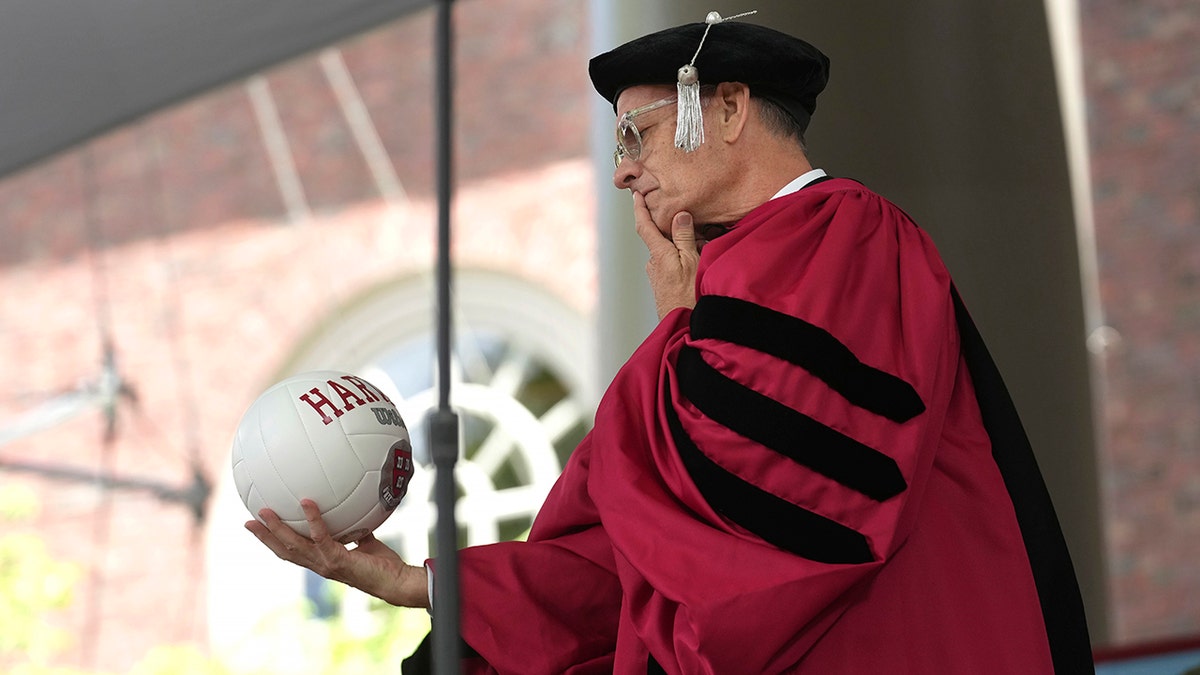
x=733 y=108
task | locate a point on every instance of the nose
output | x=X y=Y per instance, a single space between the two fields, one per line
x=626 y=172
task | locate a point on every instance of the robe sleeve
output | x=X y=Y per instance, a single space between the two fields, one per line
x=549 y=604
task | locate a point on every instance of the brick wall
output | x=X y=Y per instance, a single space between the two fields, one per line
x=1143 y=85
x=171 y=236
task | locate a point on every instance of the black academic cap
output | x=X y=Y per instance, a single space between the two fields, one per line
x=778 y=67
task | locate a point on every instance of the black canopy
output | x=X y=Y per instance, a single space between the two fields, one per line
x=70 y=70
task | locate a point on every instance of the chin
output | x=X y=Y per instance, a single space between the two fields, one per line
x=663 y=220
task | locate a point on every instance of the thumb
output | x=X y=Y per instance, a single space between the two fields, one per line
x=370 y=545
x=683 y=232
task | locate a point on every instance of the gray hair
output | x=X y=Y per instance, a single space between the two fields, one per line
x=780 y=122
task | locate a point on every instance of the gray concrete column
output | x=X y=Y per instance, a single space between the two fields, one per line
x=625 y=312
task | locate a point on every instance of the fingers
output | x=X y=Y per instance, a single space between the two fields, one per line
x=683 y=230
x=646 y=228
x=683 y=233
x=285 y=542
x=317 y=529
x=672 y=276
x=370 y=565
x=673 y=261
x=275 y=534
x=372 y=546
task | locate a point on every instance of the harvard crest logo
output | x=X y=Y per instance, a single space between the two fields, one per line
x=396 y=473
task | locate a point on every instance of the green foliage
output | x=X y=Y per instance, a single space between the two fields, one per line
x=178 y=660
x=34 y=669
x=395 y=634
x=17 y=504
x=32 y=585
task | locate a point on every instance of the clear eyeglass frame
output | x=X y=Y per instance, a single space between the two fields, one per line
x=629 y=139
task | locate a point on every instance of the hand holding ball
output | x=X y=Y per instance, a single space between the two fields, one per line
x=328 y=436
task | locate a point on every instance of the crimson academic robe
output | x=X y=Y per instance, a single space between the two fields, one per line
x=794 y=476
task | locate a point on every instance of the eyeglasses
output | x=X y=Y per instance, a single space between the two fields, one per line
x=629 y=139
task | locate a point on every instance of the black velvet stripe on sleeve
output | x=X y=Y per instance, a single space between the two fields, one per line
x=779 y=522
x=808 y=346
x=786 y=431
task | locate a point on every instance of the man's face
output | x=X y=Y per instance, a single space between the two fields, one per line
x=670 y=179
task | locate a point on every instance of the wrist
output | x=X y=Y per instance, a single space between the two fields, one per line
x=413 y=587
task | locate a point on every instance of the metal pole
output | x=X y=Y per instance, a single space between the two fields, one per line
x=443 y=422
x=194 y=495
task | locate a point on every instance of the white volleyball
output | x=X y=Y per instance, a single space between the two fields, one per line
x=328 y=436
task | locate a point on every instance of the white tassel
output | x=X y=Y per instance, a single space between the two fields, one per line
x=689 y=122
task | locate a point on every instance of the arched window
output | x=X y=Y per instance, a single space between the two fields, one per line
x=522 y=369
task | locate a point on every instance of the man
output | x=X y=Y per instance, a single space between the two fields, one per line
x=810 y=465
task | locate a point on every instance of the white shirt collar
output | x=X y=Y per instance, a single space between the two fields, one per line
x=800 y=182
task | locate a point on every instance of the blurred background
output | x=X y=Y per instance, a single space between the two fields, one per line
x=198 y=200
